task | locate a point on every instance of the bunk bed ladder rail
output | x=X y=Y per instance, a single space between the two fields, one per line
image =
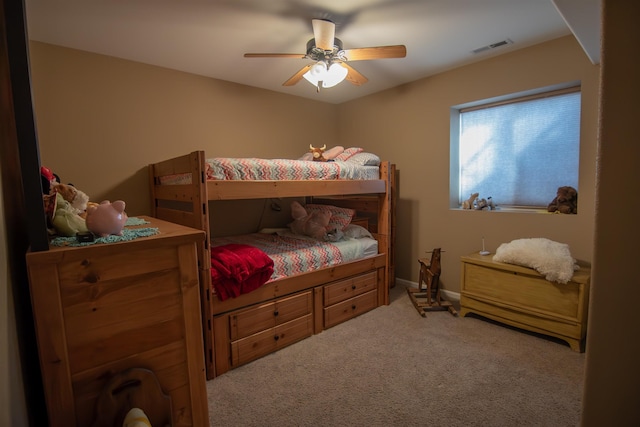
x=165 y=204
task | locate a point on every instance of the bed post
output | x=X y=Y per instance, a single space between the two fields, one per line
x=385 y=221
x=201 y=216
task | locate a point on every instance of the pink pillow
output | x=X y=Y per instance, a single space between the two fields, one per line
x=340 y=217
x=333 y=152
x=348 y=153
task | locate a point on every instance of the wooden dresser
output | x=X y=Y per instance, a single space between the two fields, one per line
x=103 y=309
x=521 y=297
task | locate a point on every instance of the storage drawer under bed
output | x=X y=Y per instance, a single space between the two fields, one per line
x=350 y=308
x=348 y=288
x=244 y=323
x=259 y=344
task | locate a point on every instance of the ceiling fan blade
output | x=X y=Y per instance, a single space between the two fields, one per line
x=297 y=76
x=275 y=55
x=354 y=76
x=324 y=32
x=378 y=52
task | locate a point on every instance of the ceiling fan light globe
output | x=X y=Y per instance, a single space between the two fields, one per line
x=308 y=76
x=335 y=74
x=318 y=70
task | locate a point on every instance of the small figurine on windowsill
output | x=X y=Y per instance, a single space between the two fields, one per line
x=468 y=204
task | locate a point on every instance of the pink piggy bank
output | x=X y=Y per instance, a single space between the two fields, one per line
x=106 y=218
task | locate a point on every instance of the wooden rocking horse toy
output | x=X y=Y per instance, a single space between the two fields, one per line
x=430 y=299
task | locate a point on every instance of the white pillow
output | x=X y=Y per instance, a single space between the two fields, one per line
x=356 y=231
x=364 y=159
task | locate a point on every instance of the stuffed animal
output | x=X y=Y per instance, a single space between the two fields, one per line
x=66 y=221
x=490 y=202
x=468 y=204
x=78 y=199
x=566 y=201
x=312 y=224
x=107 y=218
x=318 y=153
x=48 y=178
x=482 y=204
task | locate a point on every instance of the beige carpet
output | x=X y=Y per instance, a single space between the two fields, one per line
x=391 y=367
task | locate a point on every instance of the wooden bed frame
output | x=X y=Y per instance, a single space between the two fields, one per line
x=308 y=296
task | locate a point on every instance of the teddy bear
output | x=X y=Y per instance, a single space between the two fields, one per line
x=566 y=201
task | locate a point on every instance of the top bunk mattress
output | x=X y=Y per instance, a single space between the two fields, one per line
x=351 y=164
x=254 y=169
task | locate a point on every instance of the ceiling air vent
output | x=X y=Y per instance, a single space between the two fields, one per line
x=492 y=46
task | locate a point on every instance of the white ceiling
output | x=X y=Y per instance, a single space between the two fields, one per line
x=209 y=38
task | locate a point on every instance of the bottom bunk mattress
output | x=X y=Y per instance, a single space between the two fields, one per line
x=240 y=264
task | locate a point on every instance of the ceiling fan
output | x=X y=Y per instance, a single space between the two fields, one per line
x=330 y=65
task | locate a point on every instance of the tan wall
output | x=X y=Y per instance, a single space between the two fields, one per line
x=102 y=120
x=410 y=126
x=612 y=370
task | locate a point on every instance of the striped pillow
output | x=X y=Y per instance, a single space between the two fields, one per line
x=346 y=154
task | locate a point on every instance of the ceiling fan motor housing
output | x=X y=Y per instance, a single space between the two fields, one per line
x=318 y=54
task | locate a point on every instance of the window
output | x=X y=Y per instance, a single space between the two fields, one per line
x=517 y=151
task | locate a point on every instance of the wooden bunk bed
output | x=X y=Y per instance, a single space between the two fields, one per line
x=283 y=311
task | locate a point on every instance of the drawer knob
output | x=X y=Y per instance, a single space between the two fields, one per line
x=353 y=307
x=275 y=313
x=276 y=337
x=353 y=287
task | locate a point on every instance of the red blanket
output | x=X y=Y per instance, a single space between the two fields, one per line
x=237 y=269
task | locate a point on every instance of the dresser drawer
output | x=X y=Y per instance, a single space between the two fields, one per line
x=265 y=316
x=352 y=307
x=345 y=289
x=262 y=343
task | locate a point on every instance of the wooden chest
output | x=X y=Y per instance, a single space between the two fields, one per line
x=521 y=297
x=102 y=309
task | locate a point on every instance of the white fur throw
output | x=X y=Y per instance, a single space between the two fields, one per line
x=551 y=259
